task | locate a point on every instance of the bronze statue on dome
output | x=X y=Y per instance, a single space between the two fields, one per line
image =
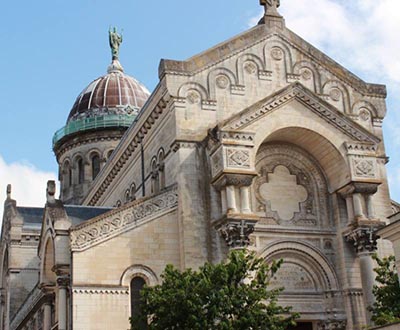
x=115 y=39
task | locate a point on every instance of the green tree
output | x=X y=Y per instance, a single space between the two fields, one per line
x=225 y=296
x=386 y=310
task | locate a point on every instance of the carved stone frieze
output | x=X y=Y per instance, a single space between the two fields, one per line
x=114 y=222
x=239 y=158
x=234 y=179
x=101 y=290
x=236 y=233
x=364 y=168
x=332 y=325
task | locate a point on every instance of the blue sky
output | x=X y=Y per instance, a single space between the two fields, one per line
x=52 y=49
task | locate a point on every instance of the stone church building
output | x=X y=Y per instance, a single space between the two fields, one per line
x=261 y=142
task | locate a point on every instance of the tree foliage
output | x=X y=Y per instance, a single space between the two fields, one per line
x=386 y=310
x=226 y=296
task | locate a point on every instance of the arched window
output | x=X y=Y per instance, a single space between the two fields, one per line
x=155 y=183
x=127 y=196
x=95 y=166
x=161 y=172
x=137 y=284
x=81 y=171
x=67 y=175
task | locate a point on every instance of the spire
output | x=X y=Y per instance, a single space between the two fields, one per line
x=115 y=40
x=271 y=14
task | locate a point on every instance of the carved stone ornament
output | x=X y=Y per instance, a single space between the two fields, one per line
x=332 y=325
x=238 y=158
x=63 y=281
x=364 y=168
x=234 y=179
x=125 y=218
x=276 y=53
x=306 y=74
x=365 y=115
x=193 y=97
x=335 y=94
x=364 y=239
x=237 y=233
x=250 y=67
x=222 y=82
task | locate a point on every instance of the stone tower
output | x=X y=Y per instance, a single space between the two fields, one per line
x=96 y=123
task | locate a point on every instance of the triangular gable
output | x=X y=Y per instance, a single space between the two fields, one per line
x=260 y=33
x=313 y=102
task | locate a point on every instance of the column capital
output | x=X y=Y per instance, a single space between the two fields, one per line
x=363 y=236
x=234 y=179
x=354 y=187
x=63 y=281
x=236 y=232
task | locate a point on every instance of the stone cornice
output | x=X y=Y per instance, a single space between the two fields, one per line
x=320 y=107
x=125 y=218
x=100 y=290
x=147 y=118
x=240 y=43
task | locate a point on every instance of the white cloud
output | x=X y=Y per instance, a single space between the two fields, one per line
x=28 y=183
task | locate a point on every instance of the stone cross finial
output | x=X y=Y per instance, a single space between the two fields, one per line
x=51 y=191
x=8 y=191
x=271 y=7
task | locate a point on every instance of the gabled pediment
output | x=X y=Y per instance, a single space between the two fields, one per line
x=264 y=34
x=313 y=102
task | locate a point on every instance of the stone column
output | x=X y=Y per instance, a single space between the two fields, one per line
x=224 y=207
x=245 y=200
x=47 y=315
x=62 y=284
x=231 y=199
x=370 y=207
x=357 y=204
x=364 y=241
x=349 y=205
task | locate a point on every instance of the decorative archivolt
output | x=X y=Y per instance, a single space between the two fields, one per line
x=250 y=64
x=338 y=94
x=138 y=271
x=193 y=92
x=278 y=51
x=309 y=75
x=308 y=256
x=360 y=105
x=222 y=78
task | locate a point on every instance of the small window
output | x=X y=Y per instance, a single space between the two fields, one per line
x=95 y=166
x=137 y=284
x=81 y=171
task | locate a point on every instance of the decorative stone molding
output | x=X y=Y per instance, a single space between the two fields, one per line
x=316 y=104
x=238 y=157
x=332 y=325
x=123 y=219
x=236 y=233
x=101 y=290
x=234 y=179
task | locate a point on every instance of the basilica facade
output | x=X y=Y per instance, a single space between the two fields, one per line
x=261 y=142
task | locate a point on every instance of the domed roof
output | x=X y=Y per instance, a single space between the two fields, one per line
x=115 y=93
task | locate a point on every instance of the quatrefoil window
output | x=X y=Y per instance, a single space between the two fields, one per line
x=283 y=192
